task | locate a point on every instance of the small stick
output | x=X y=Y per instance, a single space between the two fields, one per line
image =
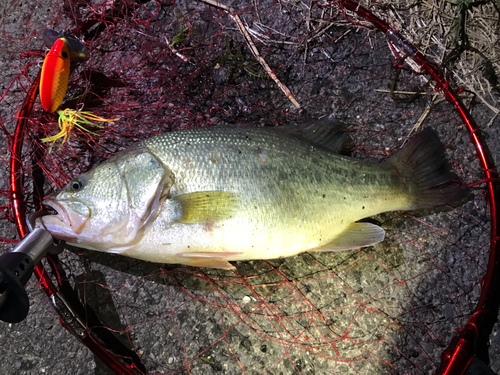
x=425 y=113
x=402 y=92
x=253 y=48
x=177 y=53
x=323 y=29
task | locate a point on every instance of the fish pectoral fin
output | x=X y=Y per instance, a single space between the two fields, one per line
x=208 y=259
x=355 y=236
x=206 y=206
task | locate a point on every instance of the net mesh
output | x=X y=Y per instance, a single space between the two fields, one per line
x=163 y=67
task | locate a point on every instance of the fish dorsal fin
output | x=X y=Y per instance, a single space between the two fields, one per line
x=355 y=236
x=206 y=206
x=327 y=133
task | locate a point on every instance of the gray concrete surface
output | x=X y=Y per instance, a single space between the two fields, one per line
x=310 y=314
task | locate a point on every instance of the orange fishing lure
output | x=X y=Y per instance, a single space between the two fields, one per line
x=55 y=75
x=54 y=83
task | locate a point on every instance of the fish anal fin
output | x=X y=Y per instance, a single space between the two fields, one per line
x=206 y=206
x=208 y=259
x=355 y=236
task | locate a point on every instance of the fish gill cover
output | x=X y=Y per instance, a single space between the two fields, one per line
x=159 y=67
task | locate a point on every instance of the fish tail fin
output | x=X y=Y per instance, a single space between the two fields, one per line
x=422 y=164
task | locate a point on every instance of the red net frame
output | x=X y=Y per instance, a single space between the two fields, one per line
x=461 y=350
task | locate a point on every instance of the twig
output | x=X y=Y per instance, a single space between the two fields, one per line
x=177 y=53
x=425 y=113
x=323 y=29
x=492 y=108
x=258 y=35
x=253 y=48
x=402 y=92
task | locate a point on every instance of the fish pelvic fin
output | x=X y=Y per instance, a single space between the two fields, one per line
x=355 y=236
x=206 y=206
x=422 y=164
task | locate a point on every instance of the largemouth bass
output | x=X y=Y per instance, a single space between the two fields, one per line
x=203 y=197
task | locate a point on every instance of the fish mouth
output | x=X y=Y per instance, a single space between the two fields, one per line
x=65 y=218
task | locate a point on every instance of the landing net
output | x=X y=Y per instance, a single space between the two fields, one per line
x=160 y=67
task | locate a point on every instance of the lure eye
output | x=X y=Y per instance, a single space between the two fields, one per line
x=64 y=54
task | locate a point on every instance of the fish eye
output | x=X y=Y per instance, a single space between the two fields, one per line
x=64 y=54
x=76 y=184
